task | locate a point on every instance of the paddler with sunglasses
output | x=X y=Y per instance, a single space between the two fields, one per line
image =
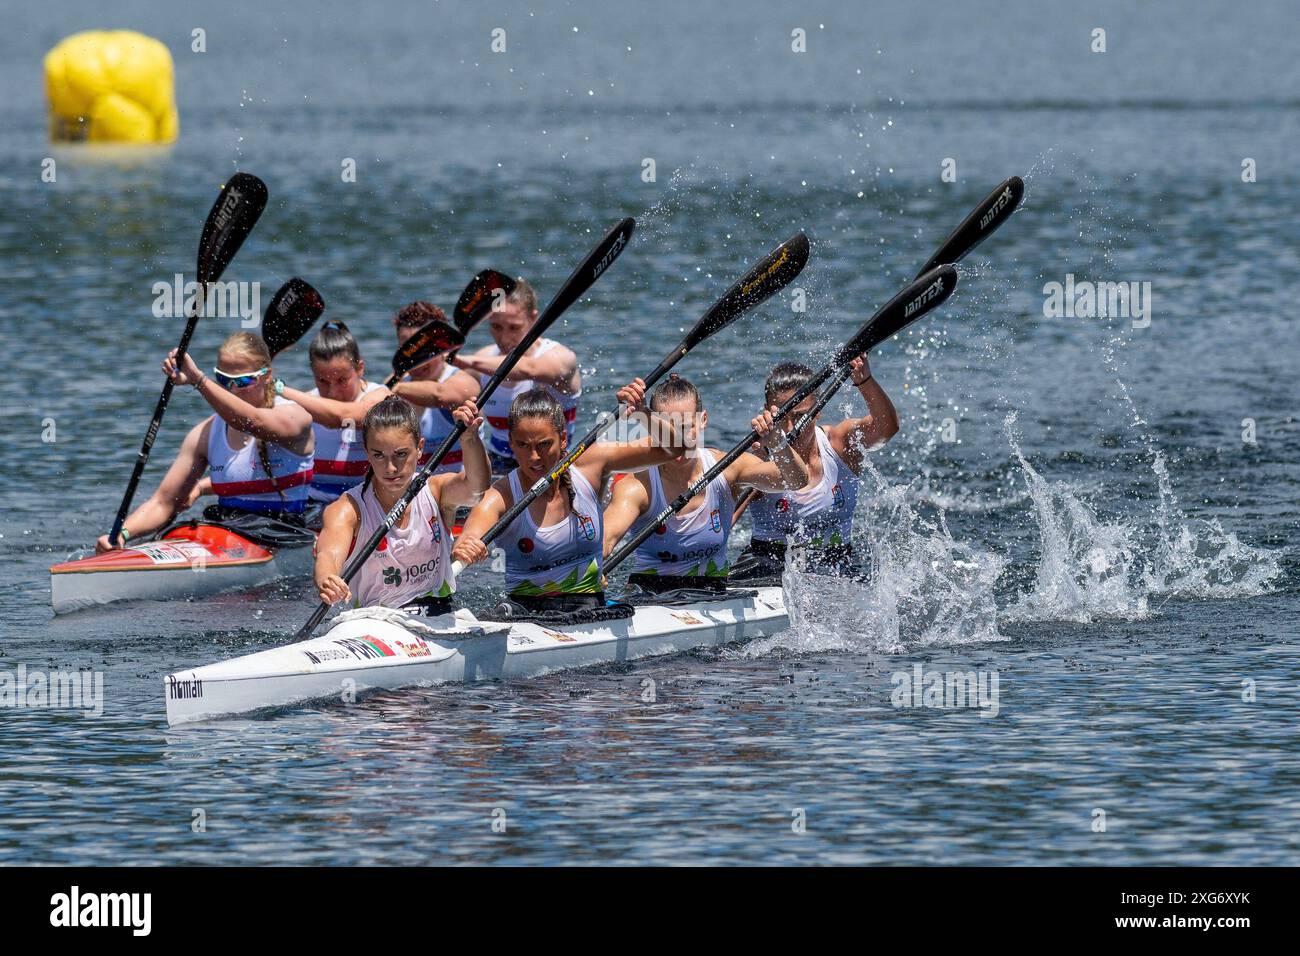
x=256 y=448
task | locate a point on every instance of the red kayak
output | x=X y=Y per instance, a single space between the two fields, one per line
x=191 y=560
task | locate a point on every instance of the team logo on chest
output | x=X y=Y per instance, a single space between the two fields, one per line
x=435 y=529
x=587 y=526
x=392 y=577
x=715 y=520
x=783 y=504
x=526 y=545
x=837 y=495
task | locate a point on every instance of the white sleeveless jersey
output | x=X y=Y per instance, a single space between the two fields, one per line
x=563 y=558
x=497 y=410
x=410 y=562
x=435 y=425
x=692 y=543
x=239 y=480
x=819 y=515
x=341 y=460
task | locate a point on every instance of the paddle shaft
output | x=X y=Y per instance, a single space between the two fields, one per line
x=155 y=423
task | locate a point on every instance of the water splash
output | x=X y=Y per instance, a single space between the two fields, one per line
x=924 y=587
x=1085 y=565
x=1091 y=569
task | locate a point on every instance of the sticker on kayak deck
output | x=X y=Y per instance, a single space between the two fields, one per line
x=367 y=648
x=362 y=648
x=413 y=648
x=559 y=636
x=686 y=617
x=180 y=552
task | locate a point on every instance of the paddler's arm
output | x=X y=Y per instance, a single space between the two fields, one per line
x=555 y=367
x=173 y=495
x=340 y=523
x=782 y=470
x=467 y=486
x=202 y=487
x=854 y=437
x=335 y=414
x=627 y=503
x=458 y=388
x=287 y=425
x=469 y=547
x=666 y=441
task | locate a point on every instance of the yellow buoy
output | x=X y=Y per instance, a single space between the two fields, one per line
x=111 y=86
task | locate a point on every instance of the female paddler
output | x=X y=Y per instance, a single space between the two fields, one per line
x=257 y=446
x=819 y=516
x=411 y=568
x=554 y=549
x=689 y=550
x=435 y=388
x=547 y=365
x=337 y=404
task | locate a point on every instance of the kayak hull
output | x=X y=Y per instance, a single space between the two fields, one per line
x=187 y=562
x=359 y=656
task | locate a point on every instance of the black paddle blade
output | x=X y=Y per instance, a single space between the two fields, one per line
x=591 y=268
x=764 y=280
x=924 y=294
x=478 y=298
x=983 y=221
x=231 y=220
x=292 y=311
x=431 y=339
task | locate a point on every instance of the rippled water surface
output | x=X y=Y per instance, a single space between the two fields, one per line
x=1070 y=505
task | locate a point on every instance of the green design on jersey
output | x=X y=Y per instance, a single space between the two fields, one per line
x=589 y=583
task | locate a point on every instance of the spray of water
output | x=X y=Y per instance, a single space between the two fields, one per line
x=920 y=586
x=1092 y=569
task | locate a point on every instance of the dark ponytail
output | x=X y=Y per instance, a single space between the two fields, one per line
x=674 y=389
x=786 y=377
x=334 y=341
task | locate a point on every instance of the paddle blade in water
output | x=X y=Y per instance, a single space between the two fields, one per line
x=232 y=218
x=995 y=209
x=484 y=290
x=765 y=279
x=293 y=310
x=924 y=294
x=429 y=340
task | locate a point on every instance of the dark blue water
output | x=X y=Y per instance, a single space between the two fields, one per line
x=1070 y=504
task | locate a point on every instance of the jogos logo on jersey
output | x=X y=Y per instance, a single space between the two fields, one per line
x=392 y=576
x=715 y=520
x=587 y=526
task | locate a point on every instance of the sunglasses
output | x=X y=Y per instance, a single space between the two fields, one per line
x=228 y=381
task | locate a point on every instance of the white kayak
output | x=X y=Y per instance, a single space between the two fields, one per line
x=380 y=648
